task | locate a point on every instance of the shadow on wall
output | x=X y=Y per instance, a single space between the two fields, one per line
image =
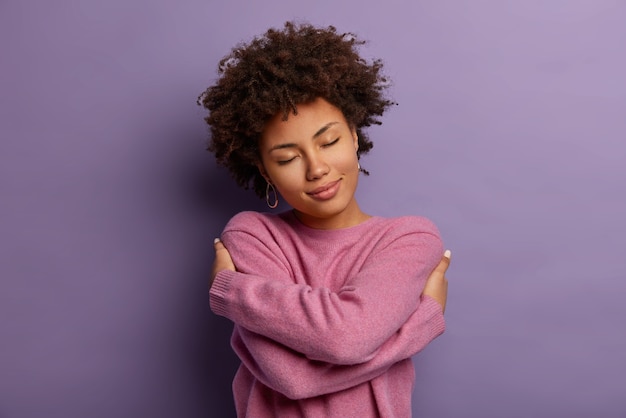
x=215 y=197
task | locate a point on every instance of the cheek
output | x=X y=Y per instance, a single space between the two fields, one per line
x=286 y=179
x=347 y=162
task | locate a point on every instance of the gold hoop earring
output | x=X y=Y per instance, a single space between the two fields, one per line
x=267 y=195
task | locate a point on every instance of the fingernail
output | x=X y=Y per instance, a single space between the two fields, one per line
x=447 y=254
x=216 y=240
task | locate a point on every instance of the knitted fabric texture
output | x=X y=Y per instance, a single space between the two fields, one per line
x=326 y=321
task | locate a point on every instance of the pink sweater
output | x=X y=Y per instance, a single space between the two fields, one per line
x=326 y=321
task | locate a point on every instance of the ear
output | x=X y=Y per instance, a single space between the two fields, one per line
x=355 y=138
x=261 y=168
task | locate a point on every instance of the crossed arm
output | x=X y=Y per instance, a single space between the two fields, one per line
x=301 y=371
x=298 y=377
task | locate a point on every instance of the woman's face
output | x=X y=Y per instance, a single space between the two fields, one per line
x=311 y=160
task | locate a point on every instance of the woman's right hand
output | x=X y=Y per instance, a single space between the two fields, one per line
x=223 y=261
x=437 y=284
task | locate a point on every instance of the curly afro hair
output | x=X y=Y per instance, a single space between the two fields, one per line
x=273 y=74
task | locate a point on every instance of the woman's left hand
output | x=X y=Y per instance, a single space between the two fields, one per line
x=223 y=261
x=437 y=284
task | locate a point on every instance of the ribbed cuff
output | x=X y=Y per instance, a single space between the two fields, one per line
x=435 y=314
x=219 y=290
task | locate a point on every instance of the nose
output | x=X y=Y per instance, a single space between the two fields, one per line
x=316 y=168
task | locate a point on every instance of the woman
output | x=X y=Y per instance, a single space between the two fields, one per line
x=329 y=303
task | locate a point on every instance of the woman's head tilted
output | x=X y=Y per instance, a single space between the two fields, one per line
x=273 y=74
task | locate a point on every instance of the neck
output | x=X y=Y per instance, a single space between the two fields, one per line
x=351 y=216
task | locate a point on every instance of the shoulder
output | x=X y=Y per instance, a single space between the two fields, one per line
x=255 y=222
x=407 y=236
x=254 y=237
x=410 y=233
x=410 y=225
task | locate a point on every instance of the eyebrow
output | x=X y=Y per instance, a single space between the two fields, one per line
x=324 y=129
x=315 y=135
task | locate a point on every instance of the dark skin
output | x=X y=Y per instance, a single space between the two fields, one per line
x=317 y=147
x=436 y=285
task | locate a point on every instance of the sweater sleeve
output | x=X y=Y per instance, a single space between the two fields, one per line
x=297 y=377
x=346 y=327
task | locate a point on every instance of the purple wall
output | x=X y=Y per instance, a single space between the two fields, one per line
x=510 y=134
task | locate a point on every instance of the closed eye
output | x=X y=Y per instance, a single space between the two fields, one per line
x=330 y=143
x=283 y=162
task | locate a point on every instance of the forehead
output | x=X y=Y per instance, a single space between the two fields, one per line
x=310 y=118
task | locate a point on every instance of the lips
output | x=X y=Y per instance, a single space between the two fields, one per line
x=325 y=192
